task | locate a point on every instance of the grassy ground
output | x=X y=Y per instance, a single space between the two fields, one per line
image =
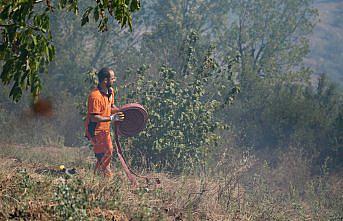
x=246 y=190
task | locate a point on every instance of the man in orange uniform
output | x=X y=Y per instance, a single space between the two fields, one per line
x=101 y=112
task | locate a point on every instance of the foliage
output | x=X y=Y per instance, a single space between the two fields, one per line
x=72 y=200
x=290 y=110
x=181 y=126
x=270 y=36
x=171 y=21
x=275 y=108
x=183 y=123
x=26 y=40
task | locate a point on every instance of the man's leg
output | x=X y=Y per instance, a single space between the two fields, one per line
x=103 y=149
x=106 y=166
x=103 y=163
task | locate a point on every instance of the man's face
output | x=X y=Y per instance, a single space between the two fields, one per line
x=111 y=79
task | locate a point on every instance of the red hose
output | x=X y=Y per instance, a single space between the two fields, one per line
x=135 y=121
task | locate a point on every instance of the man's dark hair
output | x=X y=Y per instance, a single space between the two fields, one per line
x=104 y=73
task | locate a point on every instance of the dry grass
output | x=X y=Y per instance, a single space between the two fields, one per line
x=236 y=190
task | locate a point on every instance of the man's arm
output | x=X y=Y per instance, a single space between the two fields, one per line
x=114 y=109
x=118 y=116
x=97 y=118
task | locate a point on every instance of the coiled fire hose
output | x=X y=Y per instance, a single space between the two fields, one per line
x=135 y=121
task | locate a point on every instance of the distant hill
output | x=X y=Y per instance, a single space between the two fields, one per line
x=326 y=44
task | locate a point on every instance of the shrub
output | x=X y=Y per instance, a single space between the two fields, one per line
x=183 y=109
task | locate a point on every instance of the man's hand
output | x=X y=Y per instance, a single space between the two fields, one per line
x=119 y=116
x=114 y=109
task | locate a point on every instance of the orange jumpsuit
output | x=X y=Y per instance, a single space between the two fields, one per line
x=100 y=103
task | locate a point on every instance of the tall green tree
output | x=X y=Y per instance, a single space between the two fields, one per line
x=270 y=36
x=170 y=23
x=26 y=41
x=271 y=40
x=183 y=127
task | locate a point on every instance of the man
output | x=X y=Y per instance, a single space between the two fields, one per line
x=101 y=112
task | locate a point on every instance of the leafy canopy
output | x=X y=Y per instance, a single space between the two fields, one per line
x=26 y=46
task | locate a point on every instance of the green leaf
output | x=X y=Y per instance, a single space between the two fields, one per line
x=51 y=53
x=96 y=13
x=135 y=5
x=85 y=16
x=16 y=92
x=34 y=39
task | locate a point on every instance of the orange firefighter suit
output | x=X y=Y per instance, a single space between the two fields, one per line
x=100 y=103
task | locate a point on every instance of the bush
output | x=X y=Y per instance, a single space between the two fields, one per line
x=182 y=125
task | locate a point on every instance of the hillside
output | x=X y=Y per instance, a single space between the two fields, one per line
x=326 y=46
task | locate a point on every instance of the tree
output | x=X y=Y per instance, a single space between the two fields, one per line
x=26 y=41
x=182 y=130
x=80 y=50
x=271 y=40
x=170 y=23
x=270 y=36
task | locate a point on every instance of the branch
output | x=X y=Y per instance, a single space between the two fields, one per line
x=134 y=41
x=7 y=25
x=97 y=55
x=27 y=26
x=263 y=45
